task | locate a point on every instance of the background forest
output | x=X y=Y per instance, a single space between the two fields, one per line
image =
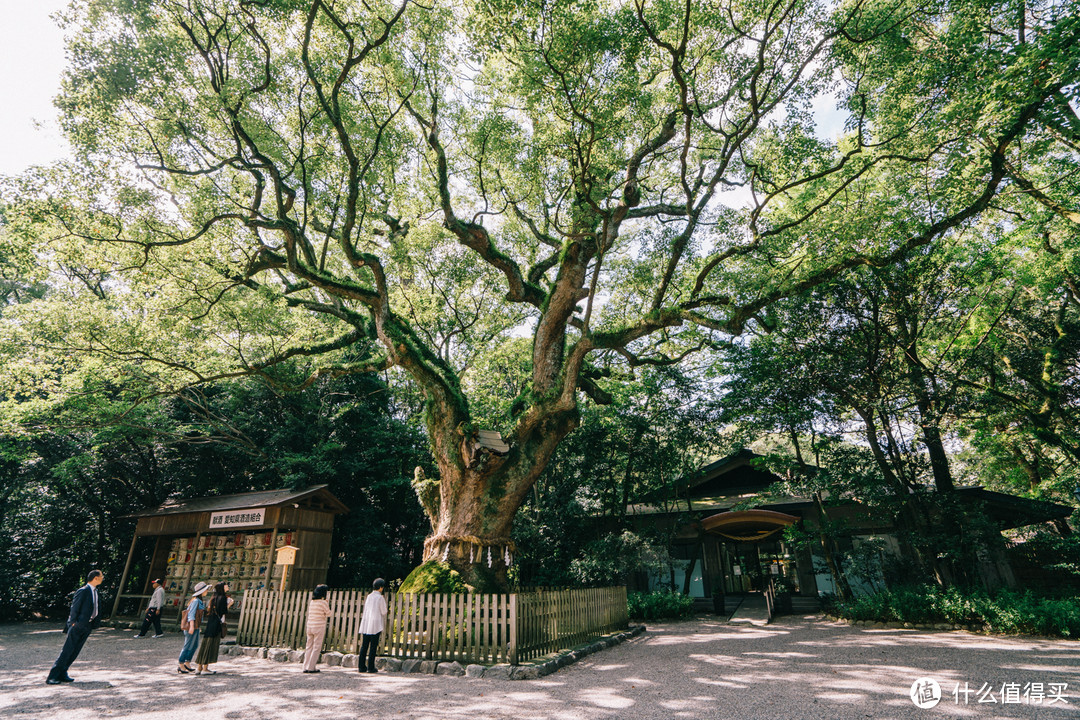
x=305 y=242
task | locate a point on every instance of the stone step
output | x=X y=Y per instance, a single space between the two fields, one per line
x=752 y=611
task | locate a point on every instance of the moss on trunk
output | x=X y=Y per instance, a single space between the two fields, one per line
x=433 y=577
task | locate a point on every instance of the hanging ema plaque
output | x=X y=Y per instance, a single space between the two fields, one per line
x=237 y=518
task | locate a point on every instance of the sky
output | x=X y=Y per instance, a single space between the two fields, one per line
x=31 y=58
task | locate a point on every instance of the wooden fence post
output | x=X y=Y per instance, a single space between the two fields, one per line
x=513 y=629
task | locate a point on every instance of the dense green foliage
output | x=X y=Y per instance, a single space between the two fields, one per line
x=517 y=205
x=659 y=605
x=1048 y=560
x=1004 y=612
x=66 y=491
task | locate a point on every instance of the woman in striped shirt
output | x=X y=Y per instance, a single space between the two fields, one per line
x=318 y=613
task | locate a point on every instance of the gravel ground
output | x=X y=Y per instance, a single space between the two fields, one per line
x=798 y=667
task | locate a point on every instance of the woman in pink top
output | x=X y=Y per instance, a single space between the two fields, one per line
x=318 y=612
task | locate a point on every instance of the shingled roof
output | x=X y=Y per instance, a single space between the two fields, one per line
x=316 y=495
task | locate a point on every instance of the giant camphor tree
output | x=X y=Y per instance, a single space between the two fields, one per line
x=621 y=182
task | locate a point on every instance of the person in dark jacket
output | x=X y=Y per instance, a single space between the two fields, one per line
x=85 y=615
x=153 y=611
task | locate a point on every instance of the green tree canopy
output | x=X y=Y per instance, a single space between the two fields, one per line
x=66 y=489
x=378 y=186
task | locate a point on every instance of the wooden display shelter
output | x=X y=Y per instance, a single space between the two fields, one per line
x=233 y=538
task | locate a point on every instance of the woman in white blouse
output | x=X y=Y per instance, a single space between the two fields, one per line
x=372 y=623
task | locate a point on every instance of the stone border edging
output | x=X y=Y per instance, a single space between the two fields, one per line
x=501 y=671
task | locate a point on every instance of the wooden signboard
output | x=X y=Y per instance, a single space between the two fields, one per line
x=286 y=555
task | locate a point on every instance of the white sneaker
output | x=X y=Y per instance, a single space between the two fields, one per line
x=137 y=636
x=160 y=635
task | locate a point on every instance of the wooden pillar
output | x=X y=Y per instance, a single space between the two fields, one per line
x=194 y=555
x=513 y=629
x=123 y=577
x=760 y=577
x=272 y=556
x=153 y=557
x=195 y=552
x=187 y=586
x=804 y=566
x=277 y=602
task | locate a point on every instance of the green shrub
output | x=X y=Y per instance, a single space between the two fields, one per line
x=659 y=604
x=1006 y=611
x=433 y=577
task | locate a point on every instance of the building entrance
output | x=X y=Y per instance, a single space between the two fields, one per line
x=750 y=566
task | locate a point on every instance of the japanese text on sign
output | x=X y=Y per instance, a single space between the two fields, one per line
x=237 y=518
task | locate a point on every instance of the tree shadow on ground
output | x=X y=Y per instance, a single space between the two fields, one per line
x=795 y=668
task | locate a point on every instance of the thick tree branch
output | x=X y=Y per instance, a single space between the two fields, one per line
x=473 y=235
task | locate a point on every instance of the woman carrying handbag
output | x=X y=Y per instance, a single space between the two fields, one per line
x=215 y=629
x=192 y=619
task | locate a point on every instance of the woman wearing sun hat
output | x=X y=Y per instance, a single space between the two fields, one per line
x=215 y=629
x=190 y=626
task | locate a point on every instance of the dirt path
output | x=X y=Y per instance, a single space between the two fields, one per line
x=795 y=668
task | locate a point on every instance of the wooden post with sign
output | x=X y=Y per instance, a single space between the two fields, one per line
x=286 y=557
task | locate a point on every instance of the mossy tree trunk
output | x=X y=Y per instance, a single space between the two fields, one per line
x=472 y=506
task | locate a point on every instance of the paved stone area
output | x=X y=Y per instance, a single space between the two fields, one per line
x=797 y=667
x=751 y=611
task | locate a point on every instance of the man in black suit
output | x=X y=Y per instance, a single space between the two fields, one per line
x=85 y=615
